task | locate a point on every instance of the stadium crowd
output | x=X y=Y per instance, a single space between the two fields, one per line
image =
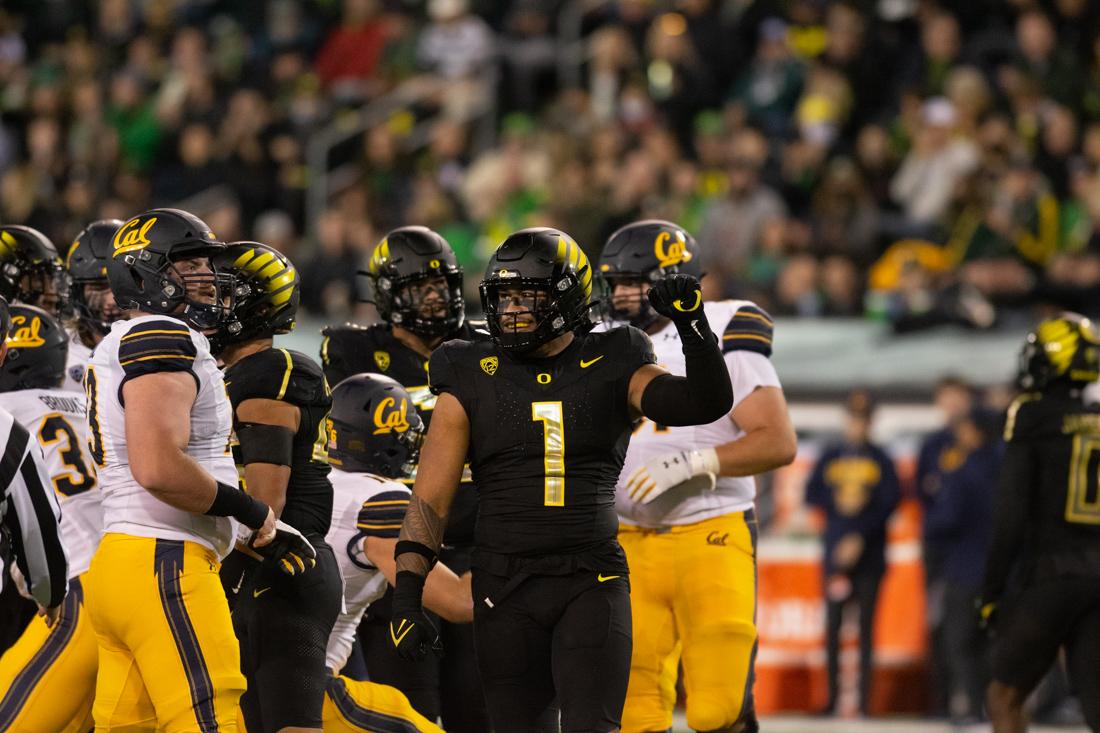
x=912 y=161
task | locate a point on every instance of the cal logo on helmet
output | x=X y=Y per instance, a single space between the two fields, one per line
x=24 y=334
x=382 y=359
x=389 y=417
x=489 y=365
x=133 y=235
x=671 y=253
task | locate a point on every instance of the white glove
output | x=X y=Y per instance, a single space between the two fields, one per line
x=658 y=475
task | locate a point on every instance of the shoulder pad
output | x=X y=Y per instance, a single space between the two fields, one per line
x=750 y=329
x=1020 y=420
x=276 y=374
x=156 y=346
x=382 y=514
x=476 y=330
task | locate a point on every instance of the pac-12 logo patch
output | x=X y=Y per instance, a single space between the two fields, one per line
x=489 y=365
x=382 y=359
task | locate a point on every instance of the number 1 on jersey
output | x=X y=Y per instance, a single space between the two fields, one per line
x=553 y=446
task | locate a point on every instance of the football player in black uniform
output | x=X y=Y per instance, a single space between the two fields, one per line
x=545 y=411
x=1046 y=534
x=416 y=284
x=31 y=271
x=282 y=615
x=90 y=295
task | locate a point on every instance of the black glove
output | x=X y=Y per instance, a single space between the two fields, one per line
x=680 y=299
x=289 y=550
x=987 y=615
x=411 y=631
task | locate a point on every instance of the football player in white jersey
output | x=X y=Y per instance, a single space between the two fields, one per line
x=159 y=423
x=46 y=660
x=374 y=435
x=90 y=297
x=685 y=501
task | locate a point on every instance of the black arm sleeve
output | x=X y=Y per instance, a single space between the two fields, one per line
x=1010 y=517
x=704 y=395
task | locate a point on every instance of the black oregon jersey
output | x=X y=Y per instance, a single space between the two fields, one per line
x=547 y=440
x=351 y=349
x=290 y=376
x=1048 y=511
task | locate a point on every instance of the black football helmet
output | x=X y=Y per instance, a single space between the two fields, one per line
x=5 y=318
x=143 y=274
x=87 y=265
x=409 y=257
x=1061 y=350
x=38 y=347
x=31 y=271
x=643 y=253
x=266 y=293
x=553 y=267
x=374 y=427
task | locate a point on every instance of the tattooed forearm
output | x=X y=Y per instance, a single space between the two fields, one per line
x=424 y=525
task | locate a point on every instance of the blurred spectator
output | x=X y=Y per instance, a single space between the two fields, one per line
x=926 y=181
x=768 y=90
x=854 y=483
x=1042 y=59
x=958 y=522
x=799 y=141
x=349 y=56
x=732 y=225
x=939 y=454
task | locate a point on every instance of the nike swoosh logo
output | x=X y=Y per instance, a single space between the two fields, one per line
x=586 y=364
x=259 y=592
x=601 y=578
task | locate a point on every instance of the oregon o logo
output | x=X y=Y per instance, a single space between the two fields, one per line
x=543 y=378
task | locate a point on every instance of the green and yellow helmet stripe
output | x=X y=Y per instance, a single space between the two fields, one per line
x=570 y=253
x=276 y=274
x=1060 y=341
x=379 y=257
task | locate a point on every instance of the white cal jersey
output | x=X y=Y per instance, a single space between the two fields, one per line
x=363 y=505
x=145 y=345
x=76 y=363
x=55 y=418
x=748 y=371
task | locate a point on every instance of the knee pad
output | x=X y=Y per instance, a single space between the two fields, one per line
x=711 y=713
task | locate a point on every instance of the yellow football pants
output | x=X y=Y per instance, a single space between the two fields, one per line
x=353 y=706
x=693 y=596
x=168 y=658
x=47 y=679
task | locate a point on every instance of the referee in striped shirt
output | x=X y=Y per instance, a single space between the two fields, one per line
x=29 y=512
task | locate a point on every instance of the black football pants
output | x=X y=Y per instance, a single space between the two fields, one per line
x=283 y=624
x=563 y=636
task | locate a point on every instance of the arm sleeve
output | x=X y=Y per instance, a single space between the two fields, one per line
x=32 y=519
x=701 y=397
x=1009 y=516
x=382 y=514
x=156 y=346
